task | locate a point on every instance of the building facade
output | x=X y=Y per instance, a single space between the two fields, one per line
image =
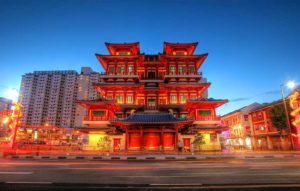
x=238 y=121
x=294 y=102
x=152 y=102
x=5 y=104
x=48 y=97
x=263 y=134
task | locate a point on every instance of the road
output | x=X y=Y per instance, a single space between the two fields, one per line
x=152 y=173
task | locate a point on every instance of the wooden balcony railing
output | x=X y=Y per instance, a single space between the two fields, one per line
x=208 y=118
x=96 y=118
x=184 y=74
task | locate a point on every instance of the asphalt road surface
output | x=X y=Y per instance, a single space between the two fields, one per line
x=254 y=174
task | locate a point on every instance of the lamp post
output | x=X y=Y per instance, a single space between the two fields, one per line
x=290 y=85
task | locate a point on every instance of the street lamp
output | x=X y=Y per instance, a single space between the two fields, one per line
x=290 y=84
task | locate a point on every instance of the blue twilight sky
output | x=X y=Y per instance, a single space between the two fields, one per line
x=253 y=45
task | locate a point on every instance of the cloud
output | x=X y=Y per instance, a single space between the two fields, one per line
x=273 y=92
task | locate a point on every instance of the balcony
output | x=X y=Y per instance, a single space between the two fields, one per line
x=208 y=120
x=121 y=75
x=95 y=120
x=184 y=75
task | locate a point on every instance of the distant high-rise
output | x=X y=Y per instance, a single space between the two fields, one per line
x=48 y=97
x=5 y=104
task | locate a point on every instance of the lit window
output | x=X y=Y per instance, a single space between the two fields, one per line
x=120 y=99
x=129 y=99
x=182 y=99
x=121 y=70
x=98 y=113
x=172 y=69
x=173 y=99
x=130 y=69
x=184 y=115
x=111 y=70
x=181 y=69
x=192 y=69
x=109 y=96
x=123 y=53
x=204 y=112
x=179 y=53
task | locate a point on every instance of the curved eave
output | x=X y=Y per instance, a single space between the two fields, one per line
x=199 y=103
x=111 y=47
x=103 y=58
x=191 y=47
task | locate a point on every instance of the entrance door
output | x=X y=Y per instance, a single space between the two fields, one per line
x=151 y=75
x=151 y=103
x=186 y=144
x=117 y=144
x=152 y=141
x=134 y=141
x=168 y=141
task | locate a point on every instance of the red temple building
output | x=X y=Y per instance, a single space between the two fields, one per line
x=152 y=102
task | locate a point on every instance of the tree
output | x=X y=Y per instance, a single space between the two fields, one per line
x=278 y=118
x=198 y=141
x=104 y=143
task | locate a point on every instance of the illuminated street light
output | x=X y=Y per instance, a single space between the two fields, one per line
x=290 y=84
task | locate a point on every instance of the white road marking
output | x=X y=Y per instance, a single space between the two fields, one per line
x=16 y=172
x=29 y=182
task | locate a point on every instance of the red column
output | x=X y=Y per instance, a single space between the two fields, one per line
x=126 y=139
x=141 y=139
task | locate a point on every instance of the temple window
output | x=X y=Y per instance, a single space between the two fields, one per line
x=173 y=99
x=179 y=53
x=182 y=99
x=120 y=99
x=111 y=70
x=181 y=69
x=193 y=96
x=183 y=115
x=130 y=70
x=172 y=69
x=123 y=53
x=119 y=115
x=129 y=99
x=191 y=69
x=202 y=112
x=98 y=113
x=109 y=96
x=121 y=70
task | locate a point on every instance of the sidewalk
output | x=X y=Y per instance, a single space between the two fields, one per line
x=155 y=156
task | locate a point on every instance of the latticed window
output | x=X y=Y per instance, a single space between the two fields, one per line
x=204 y=112
x=173 y=99
x=129 y=99
x=120 y=99
x=121 y=70
x=111 y=70
x=99 y=113
x=130 y=69
x=181 y=69
x=192 y=69
x=182 y=99
x=172 y=69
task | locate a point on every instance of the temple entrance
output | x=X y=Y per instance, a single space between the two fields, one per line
x=168 y=140
x=186 y=144
x=117 y=144
x=134 y=141
x=151 y=103
x=151 y=75
x=152 y=141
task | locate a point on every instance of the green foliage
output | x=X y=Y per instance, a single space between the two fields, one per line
x=104 y=143
x=198 y=141
x=278 y=117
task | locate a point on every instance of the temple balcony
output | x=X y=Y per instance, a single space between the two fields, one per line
x=197 y=75
x=95 y=120
x=144 y=79
x=121 y=75
x=208 y=120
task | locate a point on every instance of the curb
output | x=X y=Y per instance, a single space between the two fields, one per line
x=149 y=158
